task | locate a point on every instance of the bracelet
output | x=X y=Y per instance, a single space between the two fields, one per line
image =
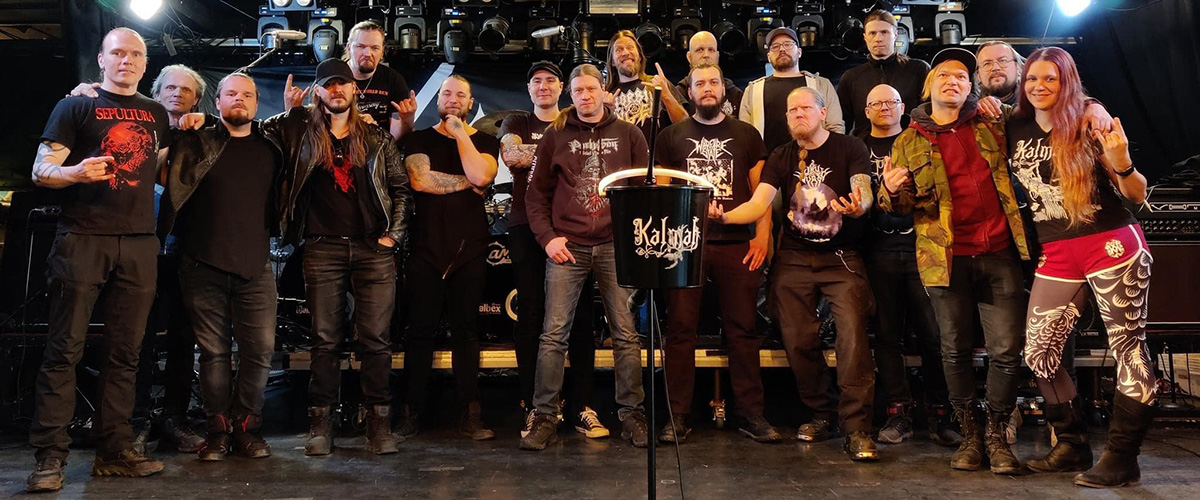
x=1127 y=172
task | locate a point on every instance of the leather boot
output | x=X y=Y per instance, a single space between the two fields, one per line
x=1000 y=455
x=1072 y=451
x=247 y=437
x=471 y=424
x=969 y=455
x=320 y=431
x=1118 y=463
x=379 y=430
x=216 y=440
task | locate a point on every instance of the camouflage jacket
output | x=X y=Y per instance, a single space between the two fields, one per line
x=927 y=196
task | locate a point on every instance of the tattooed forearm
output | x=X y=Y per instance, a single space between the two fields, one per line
x=514 y=153
x=427 y=181
x=47 y=165
x=862 y=182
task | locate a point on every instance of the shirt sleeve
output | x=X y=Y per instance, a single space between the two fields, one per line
x=859 y=157
x=539 y=196
x=64 y=122
x=775 y=169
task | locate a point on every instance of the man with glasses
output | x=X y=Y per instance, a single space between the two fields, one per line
x=764 y=103
x=884 y=66
x=999 y=71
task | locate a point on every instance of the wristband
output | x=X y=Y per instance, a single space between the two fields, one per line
x=1127 y=172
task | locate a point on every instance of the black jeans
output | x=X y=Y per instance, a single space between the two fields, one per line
x=798 y=279
x=223 y=308
x=529 y=273
x=993 y=284
x=334 y=267
x=80 y=266
x=457 y=295
x=901 y=302
x=179 y=343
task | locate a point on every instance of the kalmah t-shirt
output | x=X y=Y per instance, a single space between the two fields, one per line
x=775 y=125
x=1030 y=153
x=724 y=154
x=529 y=129
x=810 y=184
x=891 y=233
x=131 y=129
x=376 y=94
x=633 y=102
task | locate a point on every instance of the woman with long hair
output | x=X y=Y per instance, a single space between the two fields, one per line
x=1075 y=179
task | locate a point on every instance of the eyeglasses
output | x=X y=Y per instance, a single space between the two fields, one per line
x=1002 y=62
x=888 y=104
x=777 y=47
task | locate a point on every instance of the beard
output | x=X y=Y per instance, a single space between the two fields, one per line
x=799 y=132
x=337 y=108
x=783 y=62
x=461 y=114
x=236 y=120
x=1001 y=90
x=708 y=111
x=629 y=72
x=368 y=67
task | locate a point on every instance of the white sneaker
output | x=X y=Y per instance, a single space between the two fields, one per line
x=589 y=424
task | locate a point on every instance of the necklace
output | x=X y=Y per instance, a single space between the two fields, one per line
x=362 y=92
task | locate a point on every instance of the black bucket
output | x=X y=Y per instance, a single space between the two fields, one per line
x=658 y=234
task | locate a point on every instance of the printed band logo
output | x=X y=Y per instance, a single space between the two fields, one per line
x=657 y=239
x=633 y=106
x=602 y=146
x=706 y=161
x=497 y=254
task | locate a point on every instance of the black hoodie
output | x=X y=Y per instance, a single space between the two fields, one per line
x=562 y=199
x=906 y=77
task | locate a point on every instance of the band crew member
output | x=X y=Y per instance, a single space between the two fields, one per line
x=630 y=91
x=884 y=66
x=449 y=165
x=219 y=202
x=574 y=225
x=825 y=180
x=730 y=154
x=103 y=154
x=702 y=49
x=764 y=103
x=519 y=136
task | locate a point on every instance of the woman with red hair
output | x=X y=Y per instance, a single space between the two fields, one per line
x=1075 y=179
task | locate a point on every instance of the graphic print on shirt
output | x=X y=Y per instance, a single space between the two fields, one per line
x=1045 y=199
x=129 y=144
x=633 y=106
x=706 y=161
x=593 y=170
x=810 y=210
x=876 y=182
x=343 y=175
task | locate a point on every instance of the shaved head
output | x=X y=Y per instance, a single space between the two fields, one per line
x=702 y=49
x=882 y=91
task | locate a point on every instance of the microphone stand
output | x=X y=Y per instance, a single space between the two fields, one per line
x=270 y=52
x=651 y=461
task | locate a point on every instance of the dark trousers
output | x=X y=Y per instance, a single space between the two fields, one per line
x=225 y=307
x=334 y=267
x=529 y=273
x=991 y=283
x=737 y=292
x=901 y=302
x=798 y=279
x=456 y=296
x=179 y=342
x=80 y=266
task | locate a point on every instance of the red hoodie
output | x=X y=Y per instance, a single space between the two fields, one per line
x=562 y=199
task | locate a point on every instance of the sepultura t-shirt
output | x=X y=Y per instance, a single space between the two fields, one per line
x=810 y=182
x=130 y=129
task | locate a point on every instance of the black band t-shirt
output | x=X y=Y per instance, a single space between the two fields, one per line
x=376 y=94
x=813 y=224
x=775 y=93
x=724 y=154
x=131 y=129
x=633 y=102
x=890 y=233
x=226 y=222
x=529 y=129
x=336 y=203
x=448 y=228
x=1030 y=153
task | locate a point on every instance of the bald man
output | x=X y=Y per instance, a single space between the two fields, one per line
x=702 y=49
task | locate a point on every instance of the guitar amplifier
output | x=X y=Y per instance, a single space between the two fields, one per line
x=1170 y=214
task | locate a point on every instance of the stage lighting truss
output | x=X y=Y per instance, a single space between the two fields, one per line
x=730 y=38
x=292 y=5
x=409 y=26
x=759 y=26
x=808 y=23
x=652 y=38
x=950 y=23
x=684 y=23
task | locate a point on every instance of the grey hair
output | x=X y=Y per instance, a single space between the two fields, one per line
x=156 y=87
x=817 y=97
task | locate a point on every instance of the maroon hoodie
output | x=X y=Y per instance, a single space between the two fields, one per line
x=562 y=199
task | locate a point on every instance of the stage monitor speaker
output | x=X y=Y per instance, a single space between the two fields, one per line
x=1175 y=272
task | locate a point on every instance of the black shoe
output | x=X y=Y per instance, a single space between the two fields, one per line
x=758 y=429
x=940 y=429
x=1118 y=464
x=969 y=455
x=247 y=437
x=471 y=424
x=411 y=425
x=216 y=442
x=860 y=448
x=635 y=428
x=1072 y=452
x=676 y=430
x=544 y=433
x=320 y=432
x=128 y=463
x=48 y=476
x=177 y=431
x=1000 y=456
x=898 y=426
x=816 y=431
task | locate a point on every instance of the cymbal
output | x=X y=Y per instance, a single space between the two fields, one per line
x=490 y=123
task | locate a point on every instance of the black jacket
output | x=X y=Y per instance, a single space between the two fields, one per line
x=193 y=153
x=385 y=171
x=906 y=77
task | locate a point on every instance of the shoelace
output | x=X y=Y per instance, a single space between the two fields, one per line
x=590 y=419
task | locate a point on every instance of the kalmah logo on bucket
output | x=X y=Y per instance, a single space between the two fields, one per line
x=659 y=240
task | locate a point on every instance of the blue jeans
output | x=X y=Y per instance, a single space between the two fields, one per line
x=563 y=285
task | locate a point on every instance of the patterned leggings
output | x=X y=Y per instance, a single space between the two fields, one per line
x=1054 y=308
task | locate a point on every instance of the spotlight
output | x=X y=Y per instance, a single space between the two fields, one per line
x=651 y=38
x=809 y=24
x=454 y=35
x=730 y=39
x=1073 y=8
x=409 y=26
x=849 y=35
x=145 y=9
x=904 y=34
x=494 y=35
x=760 y=27
x=950 y=22
x=292 y=5
x=324 y=42
x=684 y=24
x=271 y=23
x=581 y=48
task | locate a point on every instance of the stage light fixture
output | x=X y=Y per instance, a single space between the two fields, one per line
x=1073 y=8
x=684 y=24
x=950 y=23
x=270 y=23
x=730 y=39
x=145 y=9
x=809 y=24
x=582 y=45
x=409 y=26
x=494 y=35
x=650 y=36
x=849 y=34
x=904 y=34
x=292 y=5
x=324 y=42
x=455 y=35
x=760 y=27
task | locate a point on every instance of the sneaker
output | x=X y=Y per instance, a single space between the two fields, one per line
x=635 y=428
x=247 y=438
x=530 y=416
x=589 y=424
x=145 y=436
x=898 y=427
x=216 y=447
x=128 y=463
x=48 y=476
x=941 y=431
x=816 y=431
x=860 y=447
x=544 y=433
x=758 y=429
x=177 y=431
x=676 y=430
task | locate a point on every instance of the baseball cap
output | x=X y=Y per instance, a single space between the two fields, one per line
x=963 y=56
x=330 y=69
x=544 y=66
x=782 y=31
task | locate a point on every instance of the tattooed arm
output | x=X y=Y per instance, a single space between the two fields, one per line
x=49 y=172
x=861 y=183
x=514 y=153
x=427 y=181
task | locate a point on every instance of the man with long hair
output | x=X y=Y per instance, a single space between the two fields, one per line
x=631 y=91
x=382 y=92
x=573 y=223
x=883 y=66
x=1075 y=179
